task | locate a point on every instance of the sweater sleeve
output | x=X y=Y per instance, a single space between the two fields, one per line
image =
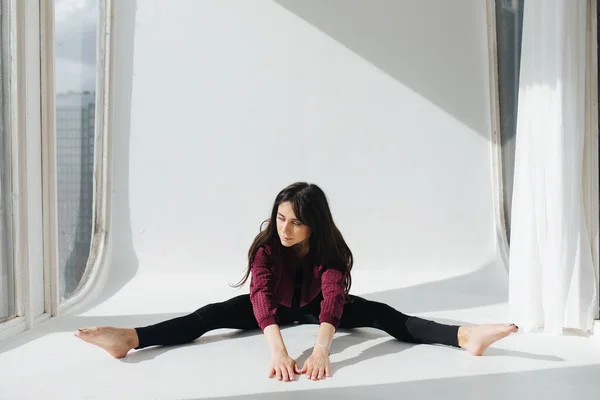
x=262 y=288
x=333 y=286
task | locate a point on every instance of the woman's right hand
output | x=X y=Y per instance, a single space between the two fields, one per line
x=283 y=367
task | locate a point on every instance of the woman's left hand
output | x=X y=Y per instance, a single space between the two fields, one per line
x=317 y=365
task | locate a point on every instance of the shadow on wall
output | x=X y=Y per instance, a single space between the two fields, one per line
x=389 y=34
x=477 y=289
x=120 y=239
x=430 y=46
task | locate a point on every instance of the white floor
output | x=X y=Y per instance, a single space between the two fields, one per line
x=50 y=363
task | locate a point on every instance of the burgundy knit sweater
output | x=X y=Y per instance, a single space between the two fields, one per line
x=272 y=284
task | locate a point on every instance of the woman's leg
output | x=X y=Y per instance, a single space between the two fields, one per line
x=235 y=313
x=365 y=313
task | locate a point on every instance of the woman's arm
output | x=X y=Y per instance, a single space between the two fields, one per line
x=274 y=339
x=317 y=365
x=262 y=289
x=333 y=287
x=282 y=365
x=325 y=336
x=264 y=306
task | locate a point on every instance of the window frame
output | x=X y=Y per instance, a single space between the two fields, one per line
x=502 y=246
x=32 y=146
x=4 y=157
x=23 y=129
x=94 y=273
x=591 y=148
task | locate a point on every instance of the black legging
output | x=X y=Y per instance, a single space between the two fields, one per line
x=236 y=313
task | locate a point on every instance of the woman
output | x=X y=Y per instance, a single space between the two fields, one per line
x=300 y=272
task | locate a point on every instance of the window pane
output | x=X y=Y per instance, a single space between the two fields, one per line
x=7 y=294
x=76 y=25
x=509 y=27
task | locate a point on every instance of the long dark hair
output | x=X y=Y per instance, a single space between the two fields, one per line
x=327 y=245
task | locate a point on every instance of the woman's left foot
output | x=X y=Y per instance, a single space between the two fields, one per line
x=116 y=341
x=475 y=339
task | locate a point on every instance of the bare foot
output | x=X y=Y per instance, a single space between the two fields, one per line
x=116 y=341
x=475 y=339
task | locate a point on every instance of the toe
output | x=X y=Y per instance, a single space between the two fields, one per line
x=85 y=332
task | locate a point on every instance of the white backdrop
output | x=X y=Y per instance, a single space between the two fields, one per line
x=219 y=105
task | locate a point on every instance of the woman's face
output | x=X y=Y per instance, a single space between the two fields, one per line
x=291 y=231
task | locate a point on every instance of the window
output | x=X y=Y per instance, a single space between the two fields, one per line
x=509 y=27
x=76 y=34
x=7 y=293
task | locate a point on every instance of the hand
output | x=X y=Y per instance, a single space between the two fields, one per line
x=283 y=366
x=317 y=365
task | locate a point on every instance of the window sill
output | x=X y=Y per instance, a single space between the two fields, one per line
x=12 y=327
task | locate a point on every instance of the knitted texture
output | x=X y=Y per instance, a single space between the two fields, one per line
x=272 y=284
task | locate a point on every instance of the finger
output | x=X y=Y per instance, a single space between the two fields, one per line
x=291 y=373
x=327 y=371
x=278 y=373
x=308 y=371
x=304 y=368
x=298 y=370
x=272 y=372
x=316 y=374
x=321 y=373
x=284 y=374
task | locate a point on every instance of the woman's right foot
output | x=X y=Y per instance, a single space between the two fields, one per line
x=477 y=338
x=116 y=341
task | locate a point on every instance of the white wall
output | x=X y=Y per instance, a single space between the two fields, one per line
x=220 y=104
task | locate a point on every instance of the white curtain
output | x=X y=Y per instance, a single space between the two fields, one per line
x=553 y=279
